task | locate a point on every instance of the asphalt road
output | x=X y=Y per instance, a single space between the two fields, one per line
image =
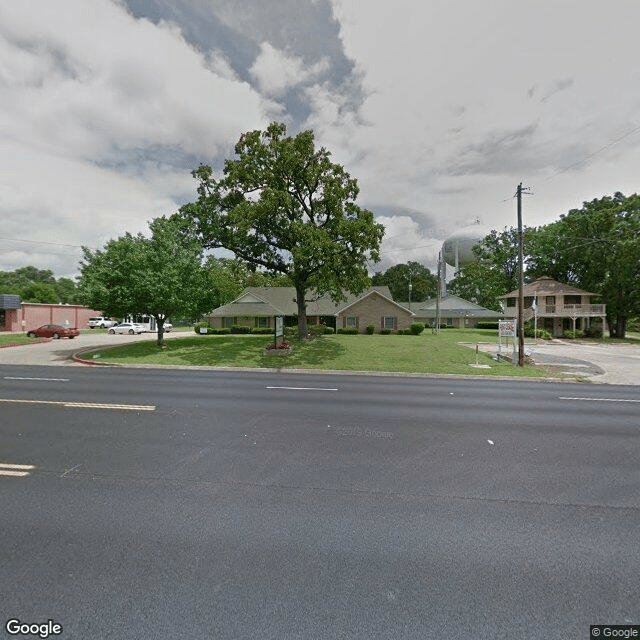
x=263 y=505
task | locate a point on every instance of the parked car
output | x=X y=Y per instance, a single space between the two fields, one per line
x=126 y=327
x=101 y=322
x=168 y=326
x=54 y=331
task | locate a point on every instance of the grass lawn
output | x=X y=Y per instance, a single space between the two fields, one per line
x=14 y=338
x=427 y=353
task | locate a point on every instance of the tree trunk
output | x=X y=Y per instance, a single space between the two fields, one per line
x=302 y=312
x=618 y=329
x=160 y=323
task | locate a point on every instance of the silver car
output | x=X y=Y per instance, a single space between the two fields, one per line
x=126 y=327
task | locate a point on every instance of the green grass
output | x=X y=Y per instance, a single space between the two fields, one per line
x=14 y=338
x=427 y=353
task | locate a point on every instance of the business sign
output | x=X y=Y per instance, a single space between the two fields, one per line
x=279 y=325
x=507 y=328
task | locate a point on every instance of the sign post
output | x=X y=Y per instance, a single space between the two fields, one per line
x=278 y=330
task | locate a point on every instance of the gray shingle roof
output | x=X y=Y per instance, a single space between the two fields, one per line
x=282 y=301
x=452 y=306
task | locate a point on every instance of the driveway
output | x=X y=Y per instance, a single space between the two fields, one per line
x=60 y=352
x=597 y=362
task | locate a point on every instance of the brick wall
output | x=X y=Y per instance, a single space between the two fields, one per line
x=35 y=315
x=372 y=310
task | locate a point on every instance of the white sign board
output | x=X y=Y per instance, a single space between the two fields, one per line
x=507 y=328
x=279 y=326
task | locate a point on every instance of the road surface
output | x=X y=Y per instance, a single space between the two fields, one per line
x=162 y=504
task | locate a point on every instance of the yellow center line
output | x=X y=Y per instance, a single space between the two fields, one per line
x=83 y=405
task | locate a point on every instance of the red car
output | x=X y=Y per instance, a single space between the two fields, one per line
x=54 y=331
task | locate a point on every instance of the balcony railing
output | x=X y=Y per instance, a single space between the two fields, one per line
x=560 y=310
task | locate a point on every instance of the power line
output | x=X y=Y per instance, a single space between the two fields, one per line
x=57 y=244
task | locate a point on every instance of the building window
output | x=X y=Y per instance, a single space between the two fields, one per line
x=389 y=322
x=511 y=302
x=352 y=322
x=227 y=322
x=262 y=322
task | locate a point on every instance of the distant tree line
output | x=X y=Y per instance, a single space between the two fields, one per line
x=38 y=285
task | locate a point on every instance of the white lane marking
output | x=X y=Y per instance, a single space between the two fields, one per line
x=15 y=470
x=303 y=388
x=42 y=379
x=84 y=405
x=600 y=399
x=17 y=467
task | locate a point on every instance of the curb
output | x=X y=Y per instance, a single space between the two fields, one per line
x=77 y=357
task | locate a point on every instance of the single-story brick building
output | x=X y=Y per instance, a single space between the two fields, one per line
x=24 y=316
x=257 y=307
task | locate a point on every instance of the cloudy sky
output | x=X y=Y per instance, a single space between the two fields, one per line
x=438 y=108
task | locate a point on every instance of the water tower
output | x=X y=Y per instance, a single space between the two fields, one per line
x=457 y=249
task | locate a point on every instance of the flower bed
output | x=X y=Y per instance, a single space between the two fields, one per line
x=280 y=350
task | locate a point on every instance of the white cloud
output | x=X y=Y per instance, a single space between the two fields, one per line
x=463 y=101
x=276 y=72
x=95 y=104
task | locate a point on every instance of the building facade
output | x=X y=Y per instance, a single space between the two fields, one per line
x=556 y=307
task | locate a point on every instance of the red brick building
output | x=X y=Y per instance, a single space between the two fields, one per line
x=17 y=316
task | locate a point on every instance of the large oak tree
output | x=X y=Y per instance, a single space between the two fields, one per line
x=283 y=206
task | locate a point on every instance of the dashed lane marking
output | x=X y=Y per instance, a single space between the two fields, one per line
x=83 y=405
x=600 y=399
x=303 y=388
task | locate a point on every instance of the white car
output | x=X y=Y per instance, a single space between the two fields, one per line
x=126 y=327
x=101 y=323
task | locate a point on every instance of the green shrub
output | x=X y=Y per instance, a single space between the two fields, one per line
x=317 y=329
x=237 y=328
x=219 y=331
x=328 y=330
x=633 y=324
x=370 y=329
x=593 y=332
x=291 y=331
x=201 y=325
x=385 y=332
x=261 y=330
x=416 y=328
x=403 y=332
x=350 y=331
x=487 y=325
x=570 y=334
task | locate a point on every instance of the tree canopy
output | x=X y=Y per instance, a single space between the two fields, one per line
x=38 y=285
x=596 y=248
x=159 y=276
x=282 y=205
x=424 y=284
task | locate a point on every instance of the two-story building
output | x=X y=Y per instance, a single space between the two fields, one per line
x=557 y=307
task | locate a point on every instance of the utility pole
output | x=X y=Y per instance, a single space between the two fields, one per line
x=439 y=293
x=521 y=281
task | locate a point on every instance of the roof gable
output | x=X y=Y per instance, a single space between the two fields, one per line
x=549 y=286
x=372 y=293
